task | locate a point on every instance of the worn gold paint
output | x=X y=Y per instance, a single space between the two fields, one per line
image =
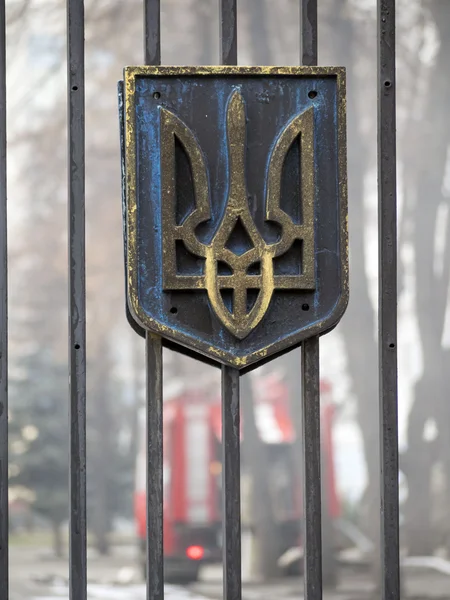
x=302 y=125
x=172 y=128
x=130 y=74
x=238 y=321
x=343 y=188
x=233 y=71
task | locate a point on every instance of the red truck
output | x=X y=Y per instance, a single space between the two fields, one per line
x=192 y=475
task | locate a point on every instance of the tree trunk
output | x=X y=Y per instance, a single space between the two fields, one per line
x=29 y=521
x=358 y=327
x=425 y=174
x=292 y=362
x=264 y=528
x=103 y=451
x=417 y=470
x=358 y=324
x=102 y=542
x=137 y=350
x=329 y=564
x=57 y=539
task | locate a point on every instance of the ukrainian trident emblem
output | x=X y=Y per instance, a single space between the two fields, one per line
x=227 y=176
x=238 y=258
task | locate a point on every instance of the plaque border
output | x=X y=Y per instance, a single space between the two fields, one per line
x=194 y=344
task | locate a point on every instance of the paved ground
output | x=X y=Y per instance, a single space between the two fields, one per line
x=34 y=575
x=107 y=592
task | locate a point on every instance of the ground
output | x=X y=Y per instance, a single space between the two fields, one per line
x=35 y=575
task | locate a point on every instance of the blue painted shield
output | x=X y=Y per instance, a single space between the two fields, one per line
x=235 y=207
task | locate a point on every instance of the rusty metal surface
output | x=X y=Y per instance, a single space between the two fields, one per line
x=209 y=268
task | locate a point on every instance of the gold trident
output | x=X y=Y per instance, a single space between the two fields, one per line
x=239 y=320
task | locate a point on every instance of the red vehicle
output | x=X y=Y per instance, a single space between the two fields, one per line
x=192 y=476
x=191 y=465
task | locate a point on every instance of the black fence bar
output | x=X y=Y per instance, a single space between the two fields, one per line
x=77 y=297
x=228 y=32
x=152 y=32
x=387 y=300
x=308 y=20
x=155 y=556
x=231 y=455
x=154 y=369
x=312 y=517
x=4 y=570
x=231 y=485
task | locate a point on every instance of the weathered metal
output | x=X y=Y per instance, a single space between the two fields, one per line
x=228 y=32
x=152 y=32
x=387 y=301
x=312 y=488
x=221 y=169
x=154 y=372
x=4 y=567
x=208 y=266
x=310 y=382
x=120 y=95
x=77 y=298
x=308 y=33
x=250 y=259
x=231 y=484
x=154 y=396
x=231 y=407
x=131 y=320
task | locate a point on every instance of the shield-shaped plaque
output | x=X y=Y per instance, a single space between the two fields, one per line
x=236 y=206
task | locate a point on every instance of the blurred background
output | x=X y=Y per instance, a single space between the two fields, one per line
x=38 y=469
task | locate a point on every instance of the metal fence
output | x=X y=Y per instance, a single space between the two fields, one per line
x=390 y=580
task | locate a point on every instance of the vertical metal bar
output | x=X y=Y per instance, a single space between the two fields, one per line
x=77 y=297
x=312 y=517
x=387 y=300
x=312 y=511
x=228 y=32
x=231 y=485
x=153 y=348
x=231 y=463
x=4 y=570
x=155 y=556
x=152 y=32
x=308 y=36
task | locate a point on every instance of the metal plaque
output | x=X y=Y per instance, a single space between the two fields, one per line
x=235 y=206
